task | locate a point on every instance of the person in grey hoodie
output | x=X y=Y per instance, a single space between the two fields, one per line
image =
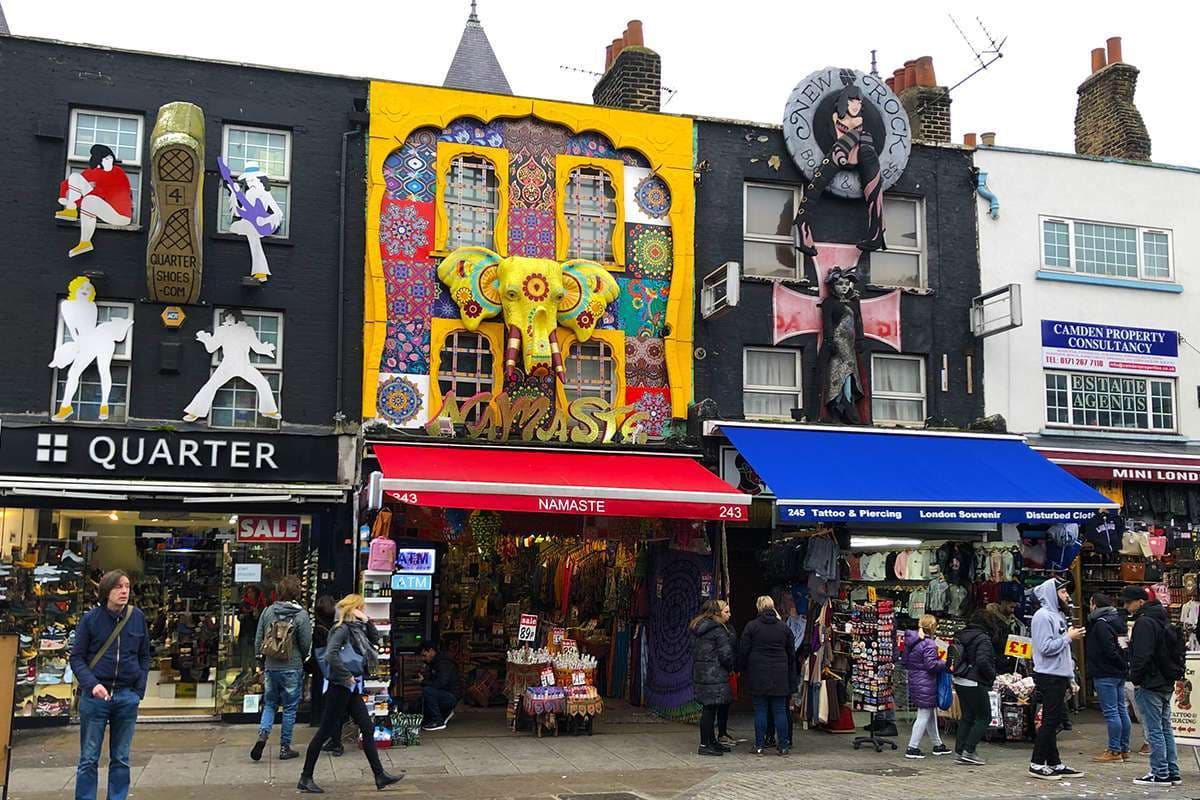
x=1053 y=669
x=284 y=676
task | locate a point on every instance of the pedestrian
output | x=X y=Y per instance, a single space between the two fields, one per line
x=723 y=736
x=323 y=614
x=972 y=662
x=712 y=661
x=110 y=659
x=925 y=668
x=349 y=654
x=1108 y=667
x=767 y=656
x=1053 y=670
x=283 y=640
x=1156 y=657
x=441 y=687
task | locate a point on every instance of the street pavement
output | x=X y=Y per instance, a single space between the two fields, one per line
x=476 y=759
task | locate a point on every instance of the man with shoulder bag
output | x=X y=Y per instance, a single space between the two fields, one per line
x=1156 y=663
x=110 y=659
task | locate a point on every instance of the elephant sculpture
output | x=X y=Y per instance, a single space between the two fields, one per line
x=536 y=296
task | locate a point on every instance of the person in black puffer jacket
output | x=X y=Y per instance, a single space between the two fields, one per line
x=767 y=656
x=974 y=673
x=1108 y=668
x=712 y=661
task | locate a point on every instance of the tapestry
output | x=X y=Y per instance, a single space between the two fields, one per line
x=648 y=251
x=644 y=362
x=471 y=131
x=531 y=232
x=409 y=172
x=443 y=304
x=674 y=600
x=403 y=400
x=591 y=145
x=532 y=146
x=643 y=306
x=406 y=348
x=656 y=403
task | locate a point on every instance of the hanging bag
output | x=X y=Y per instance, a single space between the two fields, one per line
x=945 y=691
x=382 y=556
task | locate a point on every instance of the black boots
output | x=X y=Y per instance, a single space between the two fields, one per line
x=286 y=752
x=308 y=786
x=257 y=751
x=384 y=780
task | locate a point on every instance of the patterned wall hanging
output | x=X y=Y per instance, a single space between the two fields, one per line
x=403 y=400
x=648 y=252
x=408 y=173
x=643 y=306
x=644 y=362
x=647 y=198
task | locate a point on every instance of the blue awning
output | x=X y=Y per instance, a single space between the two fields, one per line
x=873 y=475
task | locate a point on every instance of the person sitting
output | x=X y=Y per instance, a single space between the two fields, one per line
x=441 y=687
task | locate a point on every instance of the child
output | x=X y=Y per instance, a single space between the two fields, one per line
x=921 y=660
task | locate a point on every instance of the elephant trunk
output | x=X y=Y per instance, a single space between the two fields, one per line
x=556 y=357
x=511 y=350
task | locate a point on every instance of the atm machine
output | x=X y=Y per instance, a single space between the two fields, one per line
x=414 y=603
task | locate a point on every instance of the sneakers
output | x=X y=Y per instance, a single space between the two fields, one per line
x=1108 y=757
x=1175 y=778
x=783 y=751
x=758 y=751
x=913 y=752
x=257 y=751
x=1150 y=779
x=970 y=757
x=1063 y=771
x=941 y=750
x=729 y=741
x=1043 y=773
x=434 y=726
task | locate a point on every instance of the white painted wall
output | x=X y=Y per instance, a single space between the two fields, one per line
x=1032 y=184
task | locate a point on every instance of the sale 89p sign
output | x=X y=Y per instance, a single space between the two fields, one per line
x=260 y=529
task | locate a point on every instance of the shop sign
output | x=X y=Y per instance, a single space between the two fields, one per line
x=1108 y=348
x=420 y=560
x=557 y=635
x=247 y=573
x=257 y=529
x=1019 y=647
x=805 y=513
x=1185 y=704
x=414 y=583
x=528 y=630
x=586 y=420
x=547 y=676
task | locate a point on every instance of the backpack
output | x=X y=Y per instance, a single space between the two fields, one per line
x=1171 y=652
x=382 y=555
x=956 y=658
x=278 y=638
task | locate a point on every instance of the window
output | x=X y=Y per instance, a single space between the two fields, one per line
x=903 y=263
x=1115 y=402
x=590 y=207
x=898 y=389
x=272 y=151
x=590 y=371
x=768 y=250
x=123 y=135
x=466 y=368
x=771 y=381
x=1108 y=251
x=472 y=202
x=86 y=399
x=236 y=403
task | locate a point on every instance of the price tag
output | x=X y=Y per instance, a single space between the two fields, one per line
x=1019 y=647
x=569 y=645
x=557 y=635
x=578 y=678
x=528 y=630
x=547 y=677
x=706 y=584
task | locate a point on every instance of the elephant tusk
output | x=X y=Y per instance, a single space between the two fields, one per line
x=556 y=356
x=511 y=350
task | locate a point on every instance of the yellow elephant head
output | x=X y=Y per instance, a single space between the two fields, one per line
x=536 y=296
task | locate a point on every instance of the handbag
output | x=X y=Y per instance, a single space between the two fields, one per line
x=945 y=691
x=1152 y=572
x=351 y=659
x=1132 y=572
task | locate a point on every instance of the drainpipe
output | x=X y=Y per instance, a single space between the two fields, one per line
x=982 y=188
x=358 y=119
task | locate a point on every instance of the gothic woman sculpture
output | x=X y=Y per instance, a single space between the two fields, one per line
x=841 y=387
x=854 y=148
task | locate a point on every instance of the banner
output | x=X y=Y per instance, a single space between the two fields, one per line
x=1185 y=704
x=1108 y=348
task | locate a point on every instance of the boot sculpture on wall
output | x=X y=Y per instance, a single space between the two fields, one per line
x=174 y=261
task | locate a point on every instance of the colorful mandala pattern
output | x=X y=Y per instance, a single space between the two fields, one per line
x=531 y=232
x=592 y=144
x=653 y=197
x=656 y=404
x=471 y=131
x=648 y=251
x=411 y=287
x=443 y=303
x=405 y=229
x=611 y=318
x=409 y=172
x=633 y=158
x=643 y=307
x=406 y=348
x=645 y=362
x=532 y=146
x=400 y=400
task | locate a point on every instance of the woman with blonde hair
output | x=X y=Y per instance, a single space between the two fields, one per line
x=349 y=654
x=924 y=667
x=712 y=661
x=767 y=655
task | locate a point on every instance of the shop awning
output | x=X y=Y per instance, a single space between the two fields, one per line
x=563 y=482
x=881 y=476
x=1158 y=462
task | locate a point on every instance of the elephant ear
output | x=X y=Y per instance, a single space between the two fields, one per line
x=588 y=289
x=473 y=276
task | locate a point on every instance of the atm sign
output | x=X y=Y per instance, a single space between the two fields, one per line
x=255 y=529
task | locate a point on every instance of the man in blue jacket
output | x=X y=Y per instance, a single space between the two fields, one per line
x=110 y=671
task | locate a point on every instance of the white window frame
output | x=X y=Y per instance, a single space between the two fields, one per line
x=266 y=365
x=456 y=201
x=574 y=390
x=922 y=395
x=761 y=238
x=121 y=358
x=796 y=392
x=1150 y=379
x=609 y=212
x=1139 y=235
x=284 y=181
x=132 y=169
x=919 y=250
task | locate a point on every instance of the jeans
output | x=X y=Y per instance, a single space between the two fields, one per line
x=280 y=687
x=767 y=706
x=338 y=700
x=438 y=703
x=1155 y=710
x=976 y=714
x=1053 y=690
x=926 y=722
x=119 y=714
x=1111 y=692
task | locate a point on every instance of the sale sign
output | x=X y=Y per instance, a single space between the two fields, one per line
x=557 y=635
x=528 y=630
x=568 y=646
x=547 y=675
x=1019 y=647
x=578 y=678
x=259 y=529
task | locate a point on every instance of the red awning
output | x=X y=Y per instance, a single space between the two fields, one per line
x=558 y=482
x=1121 y=465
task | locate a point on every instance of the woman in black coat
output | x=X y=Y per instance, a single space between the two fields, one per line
x=767 y=656
x=712 y=661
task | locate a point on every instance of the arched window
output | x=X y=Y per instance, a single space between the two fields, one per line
x=466 y=368
x=590 y=207
x=591 y=371
x=472 y=202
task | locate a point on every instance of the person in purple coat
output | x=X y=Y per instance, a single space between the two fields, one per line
x=924 y=665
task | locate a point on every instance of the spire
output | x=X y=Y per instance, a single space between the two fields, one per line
x=5 y=31
x=475 y=65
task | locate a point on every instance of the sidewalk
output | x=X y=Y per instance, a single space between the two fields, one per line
x=478 y=760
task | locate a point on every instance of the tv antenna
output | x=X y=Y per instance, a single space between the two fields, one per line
x=666 y=90
x=985 y=56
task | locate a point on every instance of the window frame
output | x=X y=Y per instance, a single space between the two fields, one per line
x=124 y=359
x=797 y=392
x=274 y=367
x=137 y=166
x=923 y=396
x=447 y=152
x=921 y=248
x=1140 y=232
x=276 y=181
x=615 y=340
x=1070 y=408
x=439 y=331
x=564 y=167
x=789 y=240
x=606 y=353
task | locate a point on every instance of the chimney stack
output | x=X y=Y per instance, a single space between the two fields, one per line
x=1107 y=123
x=988 y=139
x=632 y=73
x=927 y=103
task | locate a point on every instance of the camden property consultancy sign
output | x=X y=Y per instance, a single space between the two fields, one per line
x=1091 y=347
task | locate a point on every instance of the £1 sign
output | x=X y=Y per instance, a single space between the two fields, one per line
x=257 y=529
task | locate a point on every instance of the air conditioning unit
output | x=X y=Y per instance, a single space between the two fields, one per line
x=720 y=290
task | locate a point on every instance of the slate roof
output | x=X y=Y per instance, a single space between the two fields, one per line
x=3 y=23
x=475 y=65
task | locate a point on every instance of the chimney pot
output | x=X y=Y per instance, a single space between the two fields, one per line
x=988 y=139
x=898 y=78
x=633 y=33
x=1098 y=62
x=910 y=74
x=1113 y=43
x=969 y=140
x=891 y=83
x=608 y=57
x=925 y=73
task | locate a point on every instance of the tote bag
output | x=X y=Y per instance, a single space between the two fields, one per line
x=945 y=693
